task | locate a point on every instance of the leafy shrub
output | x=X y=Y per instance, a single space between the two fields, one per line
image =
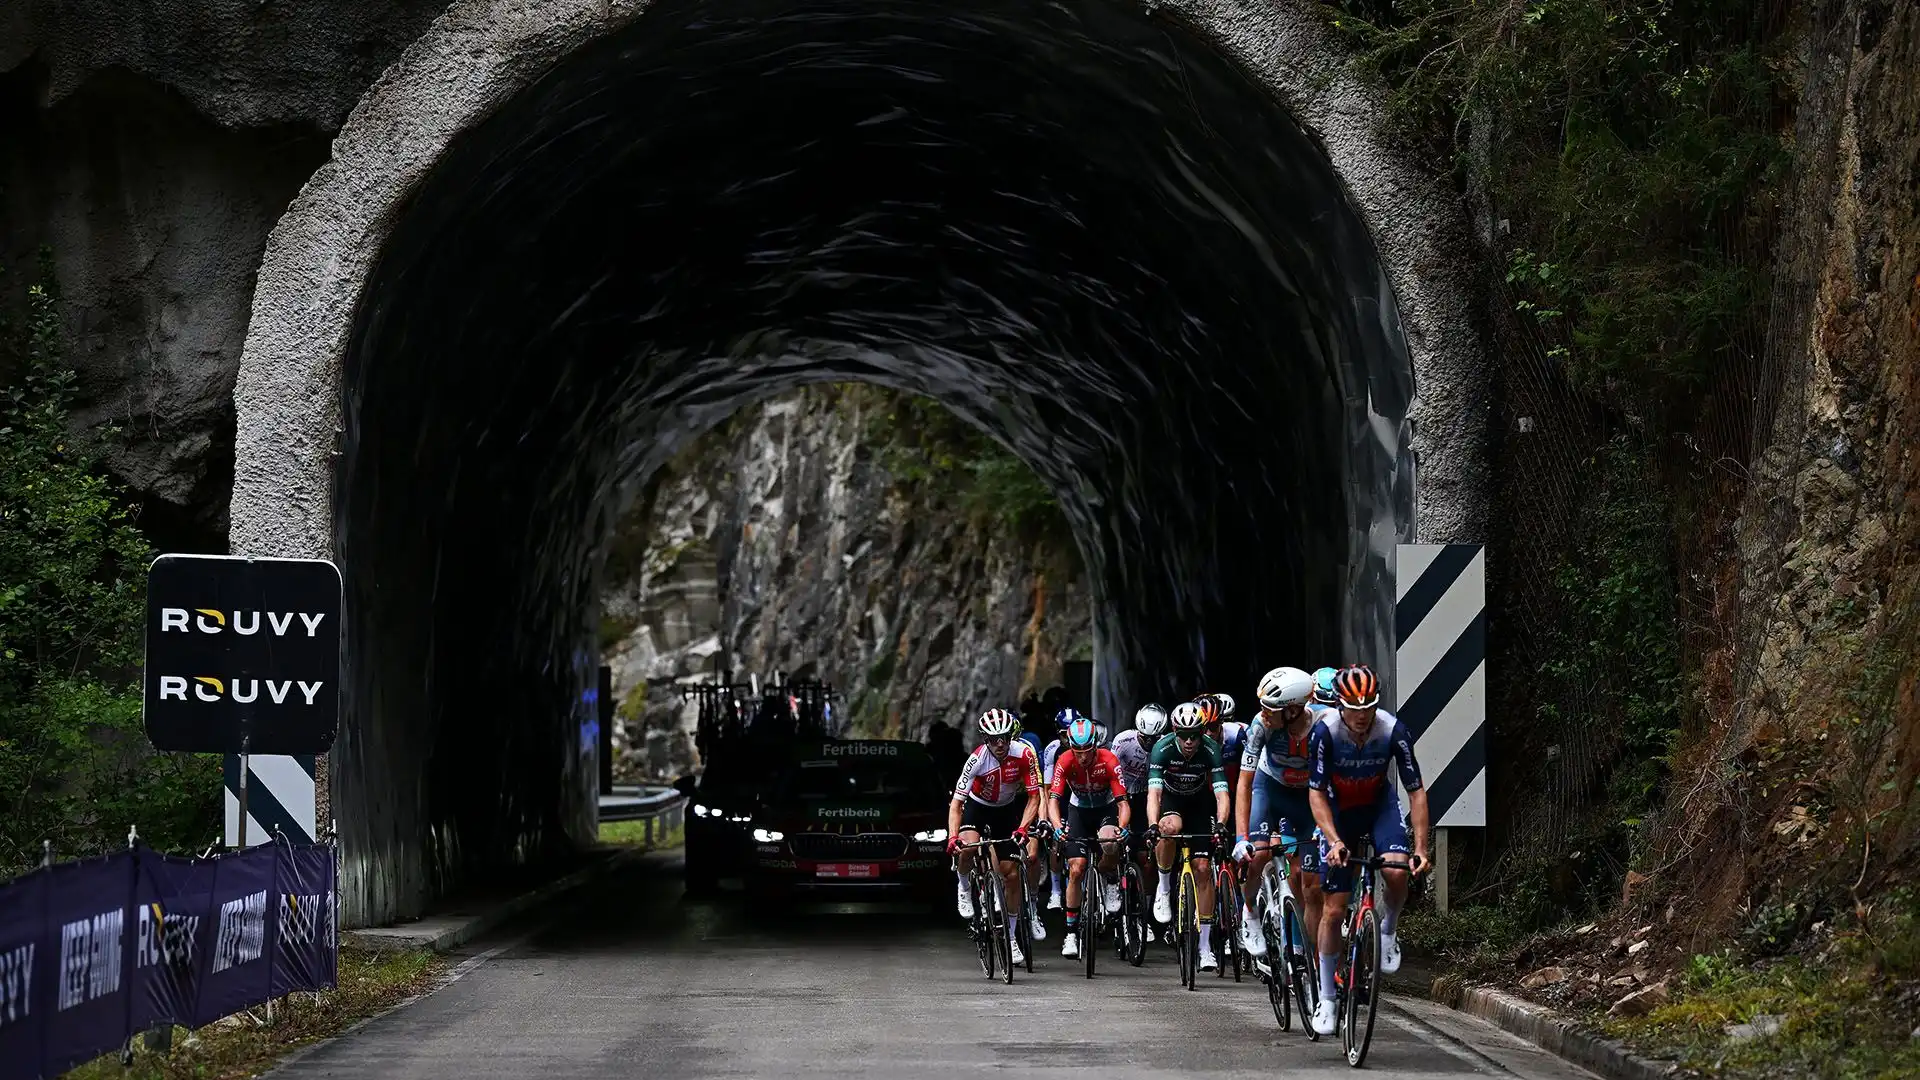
x=74 y=765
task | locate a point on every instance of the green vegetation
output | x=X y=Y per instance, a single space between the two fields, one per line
x=1631 y=150
x=1836 y=999
x=928 y=449
x=247 y=1043
x=74 y=766
x=634 y=834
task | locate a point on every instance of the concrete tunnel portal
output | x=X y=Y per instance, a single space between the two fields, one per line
x=1145 y=251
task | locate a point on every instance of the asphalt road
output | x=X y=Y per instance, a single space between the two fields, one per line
x=635 y=981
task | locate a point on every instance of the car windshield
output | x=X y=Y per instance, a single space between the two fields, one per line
x=862 y=779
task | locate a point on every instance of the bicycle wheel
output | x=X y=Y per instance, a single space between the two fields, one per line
x=1363 y=989
x=1030 y=912
x=1230 y=928
x=1279 y=995
x=1092 y=911
x=983 y=923
x=1133 y=900
x=1189 y=936
x=1302 y=983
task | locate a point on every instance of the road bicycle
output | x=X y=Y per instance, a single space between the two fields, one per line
x=1133 y=923
x=1186 y=918
x=1359 y=991
x=988 y=926
x=1290 y=975
x=1226 y=919
x=1093 y=907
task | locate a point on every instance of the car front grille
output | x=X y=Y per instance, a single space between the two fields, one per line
x=854 y=846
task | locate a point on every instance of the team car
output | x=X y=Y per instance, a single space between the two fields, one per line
x=853 y=813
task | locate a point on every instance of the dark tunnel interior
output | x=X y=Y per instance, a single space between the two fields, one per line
x=1074 y=224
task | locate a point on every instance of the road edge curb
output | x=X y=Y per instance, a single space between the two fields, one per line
x=485 y=921
x=1537 y=1025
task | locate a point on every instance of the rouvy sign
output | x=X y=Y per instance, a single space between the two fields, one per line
x=242 y=649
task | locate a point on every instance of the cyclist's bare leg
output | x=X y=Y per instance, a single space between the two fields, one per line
x=1394 y=883
x=1331 y=918
x=1167 y=852
x=1203 y=886
x=1312 y=900
x=1076 y=882
x=965 y=854
x=1256 y=873
x=1109 y=851
x=1010 y=888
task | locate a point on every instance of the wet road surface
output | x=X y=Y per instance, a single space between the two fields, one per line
x=633 y=980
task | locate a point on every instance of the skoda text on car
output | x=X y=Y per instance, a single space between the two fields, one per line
x=854 y=813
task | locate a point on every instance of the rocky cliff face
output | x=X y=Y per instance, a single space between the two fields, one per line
x=1811 y=738
x=781 y=541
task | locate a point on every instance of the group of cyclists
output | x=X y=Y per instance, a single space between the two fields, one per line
x=1308 y=775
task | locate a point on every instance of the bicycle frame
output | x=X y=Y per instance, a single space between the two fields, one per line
x=1187 y=921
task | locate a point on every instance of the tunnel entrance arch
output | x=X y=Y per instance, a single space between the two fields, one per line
x=1163 y=256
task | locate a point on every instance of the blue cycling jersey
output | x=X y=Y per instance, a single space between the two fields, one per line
x=1353 y=772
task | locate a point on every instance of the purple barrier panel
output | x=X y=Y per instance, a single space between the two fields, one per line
x=235 y=971
x=173 y=899
x=26 y=971
x=307 y=955
x=85 y=930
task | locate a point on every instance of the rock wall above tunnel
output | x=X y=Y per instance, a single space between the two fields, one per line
x=151 y=147
x=781 y=541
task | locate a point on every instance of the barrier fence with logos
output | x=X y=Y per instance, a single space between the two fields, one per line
x=95 y=951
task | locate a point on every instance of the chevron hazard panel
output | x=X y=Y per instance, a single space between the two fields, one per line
x=1440 y=627
x=279 y=795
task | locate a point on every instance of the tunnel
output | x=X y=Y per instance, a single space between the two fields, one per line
x=1085 y=227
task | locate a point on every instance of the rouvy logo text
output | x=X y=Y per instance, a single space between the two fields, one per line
x=212 y=688
x=279 y=623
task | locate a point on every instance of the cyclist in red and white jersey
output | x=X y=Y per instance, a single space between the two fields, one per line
x=999 y=789
x=1087 y=777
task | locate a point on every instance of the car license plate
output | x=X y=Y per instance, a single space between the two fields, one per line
x=846 y=870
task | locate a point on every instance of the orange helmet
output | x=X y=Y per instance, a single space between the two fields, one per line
x=1357 y=688
x=1209 y=708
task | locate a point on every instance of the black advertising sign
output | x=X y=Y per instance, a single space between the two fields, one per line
x=242 y=648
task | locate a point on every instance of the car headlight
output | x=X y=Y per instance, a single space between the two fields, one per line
x=931 y=836
x=768 y=836
x=739 y=819
x=704 y=811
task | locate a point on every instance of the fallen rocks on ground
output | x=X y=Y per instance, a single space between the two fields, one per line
x=1642 y=1002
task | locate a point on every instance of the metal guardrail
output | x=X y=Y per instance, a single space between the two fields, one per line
x=663 y=809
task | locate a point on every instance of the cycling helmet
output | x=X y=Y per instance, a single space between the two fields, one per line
x=997 y=722
x=1151 y=721
x=1357 y=688
x=1285 y=686
x=1323 y=691
x=1081 y=734
x=1209 y=709
x=1065 y=717
x=1189 y=716
x=1225 y=701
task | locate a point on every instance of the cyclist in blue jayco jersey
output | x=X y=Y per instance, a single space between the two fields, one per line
x=1349 y=753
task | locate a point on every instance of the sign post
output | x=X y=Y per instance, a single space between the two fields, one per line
x=1440 y=682
x=243 y=656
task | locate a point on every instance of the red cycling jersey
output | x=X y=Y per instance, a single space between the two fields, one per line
x=997 y=781
x=1094 y=780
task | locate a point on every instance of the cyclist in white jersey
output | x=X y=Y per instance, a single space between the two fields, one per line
x=1134 y=747
x=989 y=794
x=1050 y=757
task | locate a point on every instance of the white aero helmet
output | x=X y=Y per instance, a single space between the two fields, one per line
x=1188 y=716
x=1226 y=705
x=1151 y=721
x=1285 y=686
x=996 y=722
